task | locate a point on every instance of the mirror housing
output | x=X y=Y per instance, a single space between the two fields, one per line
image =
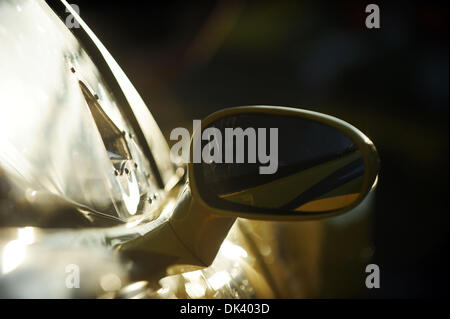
x=317 y=127
x=202 y=225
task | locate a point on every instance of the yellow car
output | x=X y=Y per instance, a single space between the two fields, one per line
x=93 y=203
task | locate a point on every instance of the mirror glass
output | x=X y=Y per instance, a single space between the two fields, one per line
x=278 y=162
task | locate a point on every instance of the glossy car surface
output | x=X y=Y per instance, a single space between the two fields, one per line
x=86 y=180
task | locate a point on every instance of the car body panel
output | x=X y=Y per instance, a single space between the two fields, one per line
x=62 y=204
x=53 y=152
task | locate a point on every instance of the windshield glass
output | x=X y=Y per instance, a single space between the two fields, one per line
x=62 y=131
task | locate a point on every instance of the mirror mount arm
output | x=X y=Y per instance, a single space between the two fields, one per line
x=199 y=229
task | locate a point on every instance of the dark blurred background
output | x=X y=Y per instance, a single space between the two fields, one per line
x=190 y=59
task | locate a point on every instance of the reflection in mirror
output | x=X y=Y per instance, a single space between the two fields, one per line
x=317 y=167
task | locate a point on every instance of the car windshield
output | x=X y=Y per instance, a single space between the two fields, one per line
x=62 y=131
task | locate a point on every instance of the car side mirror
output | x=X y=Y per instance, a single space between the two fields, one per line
x=277 y=163
x=269 y=163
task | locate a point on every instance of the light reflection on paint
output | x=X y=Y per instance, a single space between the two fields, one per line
x=110 y=282
x=195 y=290
x=132 y=197
x=193 y=275
x=163 y=291
x=14 y=252
x=233 y=251
x=375 y=183
x=219 y=279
